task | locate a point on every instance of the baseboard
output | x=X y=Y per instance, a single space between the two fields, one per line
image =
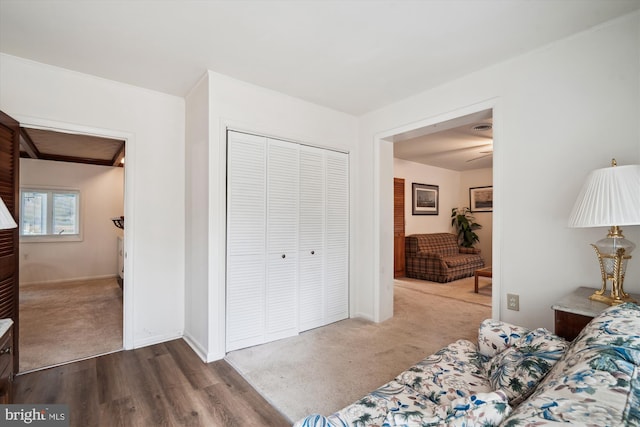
x=70 y=279
x=158 y=339
x=202 y=353
x=196 y=347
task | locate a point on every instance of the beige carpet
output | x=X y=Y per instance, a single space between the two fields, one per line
x=461 y=290
x=323 y=370
x=62 y=322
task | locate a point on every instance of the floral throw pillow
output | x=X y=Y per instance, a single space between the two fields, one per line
x=518 y=369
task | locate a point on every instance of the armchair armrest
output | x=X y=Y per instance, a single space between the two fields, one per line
x=495 y=336
x=469 y=250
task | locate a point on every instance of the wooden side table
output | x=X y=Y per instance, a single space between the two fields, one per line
x=574 y=311
x=484 y=272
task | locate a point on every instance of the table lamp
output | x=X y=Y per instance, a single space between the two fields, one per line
x=610 y=198
x=6 y=220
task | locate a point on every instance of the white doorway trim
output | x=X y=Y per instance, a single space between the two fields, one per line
x=129 y=138
x=383 y=175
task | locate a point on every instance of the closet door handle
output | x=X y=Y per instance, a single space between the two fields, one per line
x=313 y=252
x=284 y=256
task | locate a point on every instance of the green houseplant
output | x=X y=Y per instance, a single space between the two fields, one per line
x=463 y=222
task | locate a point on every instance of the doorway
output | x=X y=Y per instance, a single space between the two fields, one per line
x=453 y=156
x=72 y=185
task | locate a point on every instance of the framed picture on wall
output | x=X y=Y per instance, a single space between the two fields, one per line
x=481 y=199
x=426 y=199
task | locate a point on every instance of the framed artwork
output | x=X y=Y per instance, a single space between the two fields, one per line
x=426 y=199
x=481 y=199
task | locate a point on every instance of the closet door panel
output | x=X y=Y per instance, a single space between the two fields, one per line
x=246 y=240
x=282 y=239
x=281 y=297
x=337 y=237
x=311 y=238
x=245 y=302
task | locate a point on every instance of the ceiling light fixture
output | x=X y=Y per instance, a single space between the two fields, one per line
x=482 y=127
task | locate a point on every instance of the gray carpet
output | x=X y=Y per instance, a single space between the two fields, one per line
x=62 y=322
x=325 y=369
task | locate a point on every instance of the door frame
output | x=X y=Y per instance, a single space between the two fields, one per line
x=383 y=228
x=129 y=211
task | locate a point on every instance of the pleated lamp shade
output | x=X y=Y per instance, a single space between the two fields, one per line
x=610 y=196
x=6 y=220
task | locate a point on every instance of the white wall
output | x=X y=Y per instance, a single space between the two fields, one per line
x=197 y=310
x=243 y=106
x=101 y=198
x=153 y=125
x=559 y=112
x=479 y=178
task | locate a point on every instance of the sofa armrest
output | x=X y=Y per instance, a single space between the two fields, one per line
x=469 y=250
x=495 y=336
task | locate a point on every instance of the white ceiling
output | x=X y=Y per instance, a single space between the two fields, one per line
x=453 y=144
x=352 y=56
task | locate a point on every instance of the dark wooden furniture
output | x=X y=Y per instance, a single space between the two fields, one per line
x=6 y=361
x=10 y=194
x=574 y=311
x=568 y=325
x=482 y=272
x=398 y=227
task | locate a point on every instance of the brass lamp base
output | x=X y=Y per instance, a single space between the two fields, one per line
x=613 y=258
x=609 y=299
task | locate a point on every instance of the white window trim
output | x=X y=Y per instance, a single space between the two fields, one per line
x=53 y=238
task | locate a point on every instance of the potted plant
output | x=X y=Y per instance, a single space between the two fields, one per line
x=463 y=222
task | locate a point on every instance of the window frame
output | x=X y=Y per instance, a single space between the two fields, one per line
x=55 y=238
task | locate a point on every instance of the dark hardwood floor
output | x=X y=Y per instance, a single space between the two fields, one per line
x=160 y=385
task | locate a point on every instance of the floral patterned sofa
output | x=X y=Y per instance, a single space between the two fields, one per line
x=514 y=377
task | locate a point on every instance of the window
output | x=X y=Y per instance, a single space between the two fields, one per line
x=49 y=213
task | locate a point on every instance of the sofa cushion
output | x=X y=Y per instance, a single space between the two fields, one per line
x=519 y=368
x=482 y=409
x=494 y=336
x=456 y=261
x=453 y=372
x=597 y=382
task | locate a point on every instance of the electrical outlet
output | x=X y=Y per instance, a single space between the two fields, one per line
x=513 y=302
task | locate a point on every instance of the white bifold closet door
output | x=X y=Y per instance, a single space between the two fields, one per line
x=324 y=234
x=246 y=240
x=287 y=239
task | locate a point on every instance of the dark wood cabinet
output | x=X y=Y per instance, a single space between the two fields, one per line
x=6 y=364
x=575 y=310
x=568 y=325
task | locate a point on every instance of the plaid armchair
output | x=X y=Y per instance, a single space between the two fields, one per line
x=437 y=257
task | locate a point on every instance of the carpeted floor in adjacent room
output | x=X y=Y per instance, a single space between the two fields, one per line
x=62 y=322
x=325 y=369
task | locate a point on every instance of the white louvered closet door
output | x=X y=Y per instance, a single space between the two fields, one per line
x=287 y=239
x=337 y=237
x=311 y=238
x=282 y=240
x=246 y=240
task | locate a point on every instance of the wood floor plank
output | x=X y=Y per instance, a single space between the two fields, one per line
x=160 y=385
